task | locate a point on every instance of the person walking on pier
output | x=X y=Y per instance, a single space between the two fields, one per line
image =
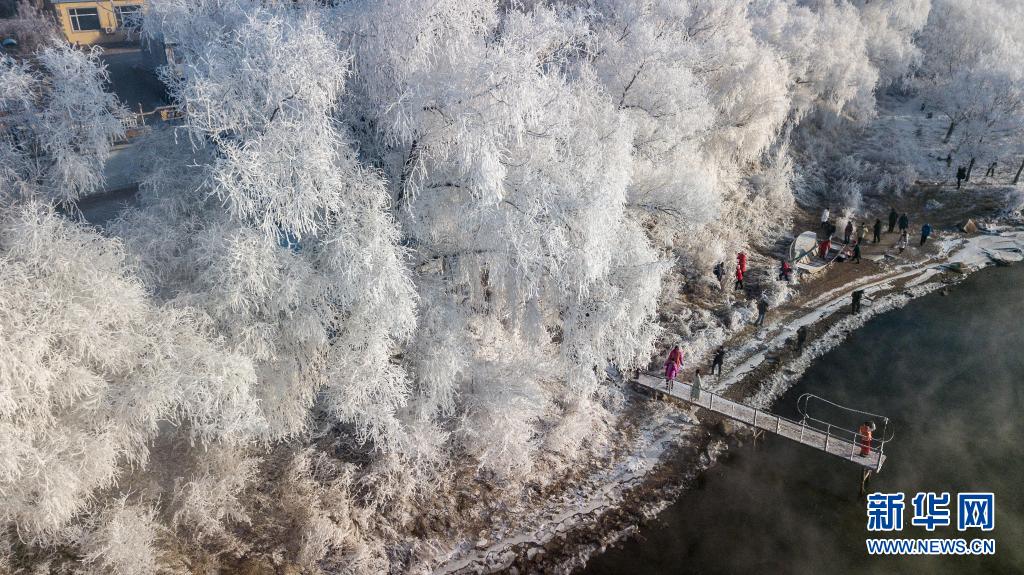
x=892 y=219
x=848 y=232
x=695 y=387
x=877 y=236
x=762 y=310
x=926 y=230
x=857 y=295
x=672 y=366
x=718 y=361
x=864 y=437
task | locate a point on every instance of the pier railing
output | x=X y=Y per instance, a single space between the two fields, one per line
x=832 y=439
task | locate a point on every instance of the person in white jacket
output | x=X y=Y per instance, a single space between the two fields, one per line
x=695 y=387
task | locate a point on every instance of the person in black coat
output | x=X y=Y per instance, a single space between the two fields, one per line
x=877 y=236
x=716 y=364
x=904 y=223
x=892 y=219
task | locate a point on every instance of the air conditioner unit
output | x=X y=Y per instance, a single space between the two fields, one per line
x=110 y=30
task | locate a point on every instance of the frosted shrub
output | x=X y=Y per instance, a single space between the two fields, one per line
x=122 y=540
x=208 y=502
x=319 y=496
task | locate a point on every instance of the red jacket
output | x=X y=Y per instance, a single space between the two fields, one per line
x=741 y=259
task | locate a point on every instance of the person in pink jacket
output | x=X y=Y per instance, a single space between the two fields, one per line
x=672 y=366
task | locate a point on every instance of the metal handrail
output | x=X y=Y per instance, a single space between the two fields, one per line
x=803 y=403
x=850 y=436
x=829 y=430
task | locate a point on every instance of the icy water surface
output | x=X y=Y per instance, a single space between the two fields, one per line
x=949 y=370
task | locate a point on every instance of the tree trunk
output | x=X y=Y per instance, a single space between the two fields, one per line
x=407 y=169
x=949 y=132
x=970 y=168
x=1019 y=170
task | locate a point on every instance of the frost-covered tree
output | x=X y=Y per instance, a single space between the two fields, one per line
x=826 y=46
x=59 y=124
x=891 y=29
x=747 y=79
x=648 y=63
x=295 y=255
x=971 y=72
x=90 y=366
x=510 y=165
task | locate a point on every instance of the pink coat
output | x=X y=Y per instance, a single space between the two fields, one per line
x=674 y=363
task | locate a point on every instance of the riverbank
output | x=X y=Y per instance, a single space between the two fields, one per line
x=762 y=365
x=945 y=370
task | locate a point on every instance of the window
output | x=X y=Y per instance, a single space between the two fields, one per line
x=84 y=19
x=128 y=15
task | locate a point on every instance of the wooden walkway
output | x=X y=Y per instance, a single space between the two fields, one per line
x=833 y=440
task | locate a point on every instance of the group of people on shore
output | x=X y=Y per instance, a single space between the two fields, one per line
x=785 y=274
x=741 y=270
x=854 y=235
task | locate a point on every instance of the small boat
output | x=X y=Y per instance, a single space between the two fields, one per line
x=803 y=253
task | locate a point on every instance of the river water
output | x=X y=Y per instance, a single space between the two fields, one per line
x=949 y=371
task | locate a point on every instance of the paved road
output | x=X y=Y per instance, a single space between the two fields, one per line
x=134 y=80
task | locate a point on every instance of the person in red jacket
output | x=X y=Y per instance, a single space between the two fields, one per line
x=739 y=279
x=672 y=366
x=824 y=247
x=741 y=261
x=785 y=271
x=864 y=437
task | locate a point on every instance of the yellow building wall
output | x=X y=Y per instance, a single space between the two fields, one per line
x=108 y=20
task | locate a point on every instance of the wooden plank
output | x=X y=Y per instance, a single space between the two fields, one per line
x=792 y=430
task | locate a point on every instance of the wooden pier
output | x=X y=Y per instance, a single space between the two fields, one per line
x=834 y=440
